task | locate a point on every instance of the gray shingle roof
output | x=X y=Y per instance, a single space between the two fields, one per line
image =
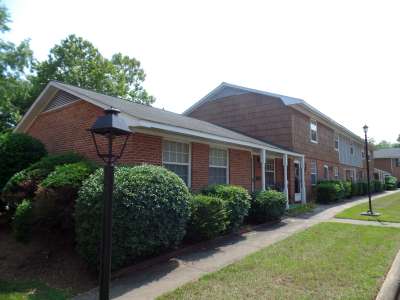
x=387 y=153
x=161 y=116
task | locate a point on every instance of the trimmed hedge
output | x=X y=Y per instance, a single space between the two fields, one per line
x=269 y=205
x=391 y=183
x=237 y=202
x=18 y=151
x=22 y=221
x=328 y=192
x=55 y=197
x=150 y=212
x=208 y=218
x=24 y=183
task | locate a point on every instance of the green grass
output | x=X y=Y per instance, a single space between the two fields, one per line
x=29 y=291
x=299 y=209
x=327 y=261
x=388 y=206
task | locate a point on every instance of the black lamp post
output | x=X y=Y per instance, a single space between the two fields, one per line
x=370 y=212
x=109 y=127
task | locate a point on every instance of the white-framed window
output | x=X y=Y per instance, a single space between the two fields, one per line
x=326 y=172
x=336 y=142
x=270 y=172
x=336 y=172
x=218 y=166
x=176 y=158
x=314 y=131
x=352 y=150
x=397 y=162
x=363 y=154
x=314 y=175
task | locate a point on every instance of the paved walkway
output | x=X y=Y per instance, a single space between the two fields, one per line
x=157 y=280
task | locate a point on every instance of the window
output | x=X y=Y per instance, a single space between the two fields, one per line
x=336 y=172
x=218 y=166
x=270 y=173
x=314 y=132
x=397 y=162
x=351 y=150
x=176 y=159
x=326 y=172
x=360 y=175
x=313 y=172
x=363 y=154
x=337 y=143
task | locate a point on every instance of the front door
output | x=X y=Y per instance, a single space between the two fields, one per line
x=297 y=181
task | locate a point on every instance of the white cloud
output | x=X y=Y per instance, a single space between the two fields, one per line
x=340 y=56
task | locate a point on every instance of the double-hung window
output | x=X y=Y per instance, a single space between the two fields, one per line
x=270 y=173
x=326 y=172
x=336 y=172
x=314 y=132
x=313 y=172
x=336 y=142
x=218 y=166
x=176 y=159
x=397 y=162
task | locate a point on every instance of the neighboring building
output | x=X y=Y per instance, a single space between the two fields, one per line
x=388 y=160
x=201 y=153
x=331 y=151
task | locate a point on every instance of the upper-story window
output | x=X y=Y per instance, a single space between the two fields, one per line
x=218 y=166
x=314 y=131
x=270 y=172
x=314 y=172
x=176 y=159
x=336 y=142
x=352 y=150
x=363 y=154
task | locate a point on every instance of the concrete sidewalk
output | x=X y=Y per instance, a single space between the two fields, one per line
x=157 y=280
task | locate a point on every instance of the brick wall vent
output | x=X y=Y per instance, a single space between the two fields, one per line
x=60 y=99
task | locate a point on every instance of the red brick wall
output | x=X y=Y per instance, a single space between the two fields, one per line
x=65 y=129
x=240 y=168
x=200 y=157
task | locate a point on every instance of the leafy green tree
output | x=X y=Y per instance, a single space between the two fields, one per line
x=15 y=62
x=76 y=61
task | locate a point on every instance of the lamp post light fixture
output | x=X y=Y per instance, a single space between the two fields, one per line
x=109 y=128
x=370 y=212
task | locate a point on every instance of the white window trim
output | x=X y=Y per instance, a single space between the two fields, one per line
x=338 y=143
x=274 y=171
x=316 y=131
x=189 y=163
x=227 y=161
x=336 y=172
x=352 y=147
x=316 y=172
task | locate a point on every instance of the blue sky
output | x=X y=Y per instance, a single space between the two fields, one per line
x=340 y=56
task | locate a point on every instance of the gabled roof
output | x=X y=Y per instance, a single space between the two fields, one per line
x=228 y=89
x=387 y=153
x=139 y=115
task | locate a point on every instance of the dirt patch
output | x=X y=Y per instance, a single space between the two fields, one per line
x=48 y=257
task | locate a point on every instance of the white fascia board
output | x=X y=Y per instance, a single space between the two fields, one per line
x=180 y=130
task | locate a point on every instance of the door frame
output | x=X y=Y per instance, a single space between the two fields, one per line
x=297 y=196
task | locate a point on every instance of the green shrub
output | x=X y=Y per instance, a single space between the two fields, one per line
x=378 y=186
x=327 y=192
x=355 y=189
x=23 y=221
x=55 y=197
x=150 y=213
x=208 y=218
x=17 y=151
x=268 y=205
x=24 y=183
x=237 y=202
x=347 y=188
x=391 y=183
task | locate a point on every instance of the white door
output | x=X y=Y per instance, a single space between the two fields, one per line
x=297 y=181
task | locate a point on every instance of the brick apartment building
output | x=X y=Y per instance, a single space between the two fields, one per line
x=388 y=160
x=201 y=153
x=331 y=151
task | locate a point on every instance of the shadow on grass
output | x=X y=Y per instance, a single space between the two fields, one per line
x=29 y=290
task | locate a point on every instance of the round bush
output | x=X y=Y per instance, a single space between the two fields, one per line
x=150 y=212
x=327 y=192
x=208 y=218
x=268 y=205
x=18 y=151
x=237 y=202
x=391 y=182
x=22 y=221
x=24 y=183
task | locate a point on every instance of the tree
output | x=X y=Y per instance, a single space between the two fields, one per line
x=76 y=61
x=15 y=61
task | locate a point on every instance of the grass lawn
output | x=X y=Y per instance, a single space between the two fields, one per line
x=327 y=261
x=29 y=291
x=388 y=206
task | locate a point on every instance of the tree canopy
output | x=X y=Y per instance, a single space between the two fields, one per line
x=73 y=61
